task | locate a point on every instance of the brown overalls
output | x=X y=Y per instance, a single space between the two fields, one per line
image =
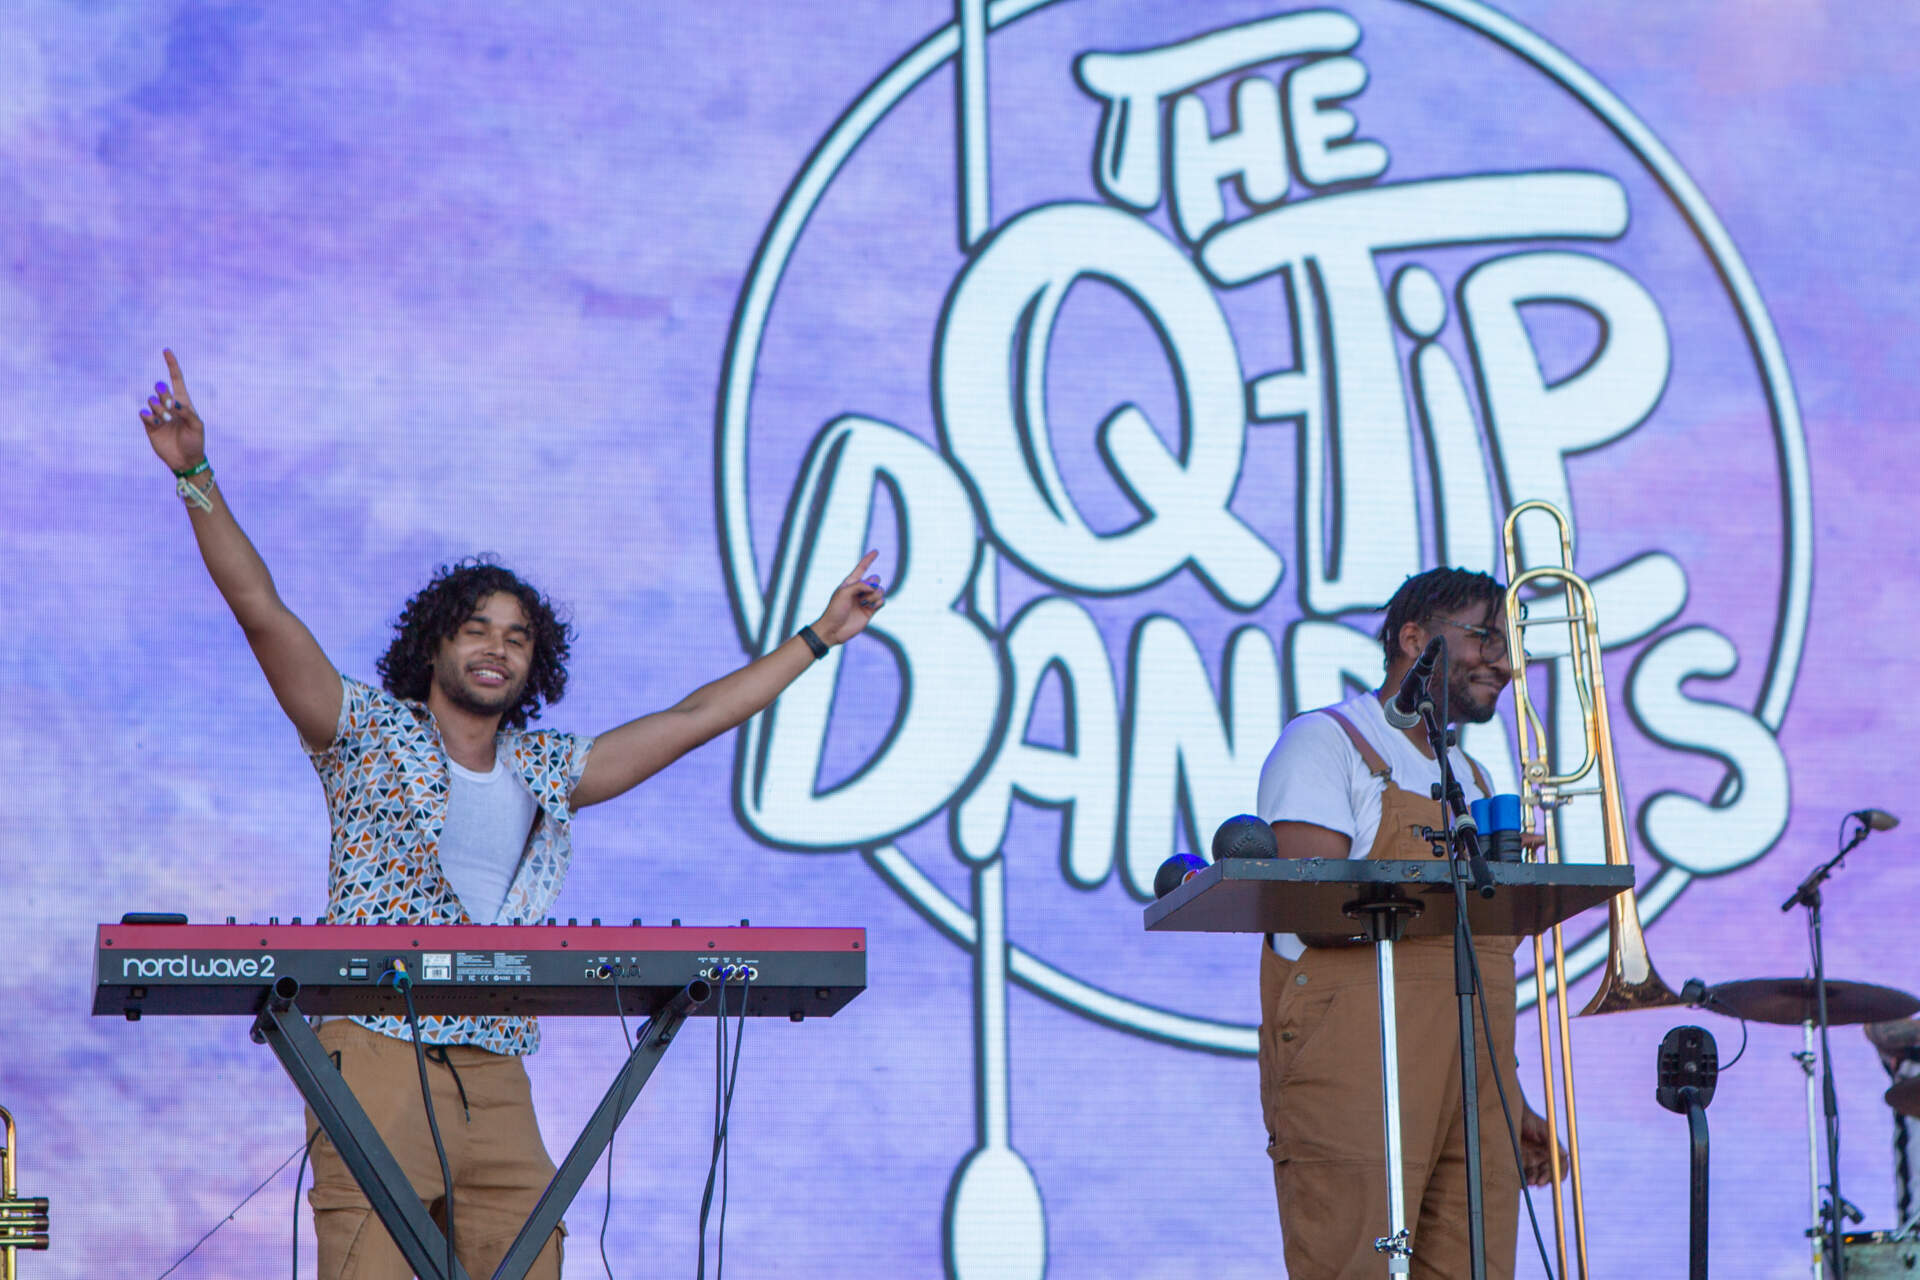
x=1321 y=1091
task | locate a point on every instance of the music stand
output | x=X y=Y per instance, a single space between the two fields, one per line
x=1390 y=900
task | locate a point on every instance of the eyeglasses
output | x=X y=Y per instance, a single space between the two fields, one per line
x=1493 y=642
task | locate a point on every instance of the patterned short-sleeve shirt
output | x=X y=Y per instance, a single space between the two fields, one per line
x=387 y=781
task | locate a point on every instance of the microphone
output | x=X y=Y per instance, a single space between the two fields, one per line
x=1876 y=819
x=1403 y=708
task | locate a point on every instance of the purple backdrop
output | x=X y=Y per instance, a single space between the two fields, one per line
x=1152 y=358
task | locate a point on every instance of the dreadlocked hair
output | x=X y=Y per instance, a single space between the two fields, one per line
x=1425 y=596
x=440 y=608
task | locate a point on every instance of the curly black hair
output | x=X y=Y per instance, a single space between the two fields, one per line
x=1425 y=596
x=439 y=609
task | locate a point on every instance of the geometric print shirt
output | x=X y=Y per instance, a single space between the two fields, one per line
x=387 y=779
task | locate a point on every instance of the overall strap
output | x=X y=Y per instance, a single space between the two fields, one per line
x=1479 y=776
x=1381 y=769
x=1375 y=765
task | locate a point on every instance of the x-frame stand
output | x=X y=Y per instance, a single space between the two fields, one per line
x=284 y=1029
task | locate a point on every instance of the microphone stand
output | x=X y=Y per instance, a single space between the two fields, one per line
x=1459 y=843
x=1808 y=895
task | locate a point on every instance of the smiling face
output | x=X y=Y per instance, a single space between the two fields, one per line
x=1478 y=666
x=482 y=667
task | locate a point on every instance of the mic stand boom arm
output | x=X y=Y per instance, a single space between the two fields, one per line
x=1808 y=894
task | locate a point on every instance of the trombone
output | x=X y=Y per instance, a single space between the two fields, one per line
x=23 y=1222
x=1629 y=981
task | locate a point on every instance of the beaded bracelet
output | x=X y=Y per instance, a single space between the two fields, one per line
x=192 y=494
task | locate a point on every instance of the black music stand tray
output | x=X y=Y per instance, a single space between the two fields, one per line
x=1383 y=901
x=284 y=1028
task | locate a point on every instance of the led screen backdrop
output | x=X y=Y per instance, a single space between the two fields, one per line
x=1152 y=346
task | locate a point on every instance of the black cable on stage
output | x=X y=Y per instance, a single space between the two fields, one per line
x=405 y=984
x=723 y=1083
x=726 y=1145
x=299 y=1177
x=291 y=1156
x=606 y=1209
x=1506 y=1109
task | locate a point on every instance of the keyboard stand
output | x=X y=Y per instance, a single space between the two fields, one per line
x=283 y=1028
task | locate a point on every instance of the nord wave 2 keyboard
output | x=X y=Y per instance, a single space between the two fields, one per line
x=478 y=970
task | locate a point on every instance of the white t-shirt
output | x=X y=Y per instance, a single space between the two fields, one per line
x=1315 y=775
x=489 y=817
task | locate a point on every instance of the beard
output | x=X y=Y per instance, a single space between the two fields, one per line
x=477 y=701
x=1461 y=706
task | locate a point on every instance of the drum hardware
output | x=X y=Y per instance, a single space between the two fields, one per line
x=1880 y=1255
x=1629 y=980
x=1807 y=894
x=1790 y=1002
x=23 y=1220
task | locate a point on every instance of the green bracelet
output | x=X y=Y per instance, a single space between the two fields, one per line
x=198 y=468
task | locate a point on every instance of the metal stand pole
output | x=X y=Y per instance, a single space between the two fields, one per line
x=1386 y=922
x=1697 y=1217
x=1459 y=843
x=1830 y=1104
x=1816 y=1232
x=1397 y=1243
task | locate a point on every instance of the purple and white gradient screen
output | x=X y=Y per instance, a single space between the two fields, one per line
x=1152 y=346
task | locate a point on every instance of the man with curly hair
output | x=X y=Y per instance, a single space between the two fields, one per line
x=446 y=809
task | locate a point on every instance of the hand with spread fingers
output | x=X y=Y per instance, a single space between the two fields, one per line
x=173 y=428
x=853 y=605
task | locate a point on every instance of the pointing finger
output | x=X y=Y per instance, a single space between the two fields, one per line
x=178 y=379
x=866 y=562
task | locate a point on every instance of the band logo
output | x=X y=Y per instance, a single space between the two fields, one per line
x=1271 y=321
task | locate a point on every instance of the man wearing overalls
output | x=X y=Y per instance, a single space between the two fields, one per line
x=1342 y=783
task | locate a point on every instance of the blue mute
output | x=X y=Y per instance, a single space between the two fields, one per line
x=1497 y=813
x=1498 y=818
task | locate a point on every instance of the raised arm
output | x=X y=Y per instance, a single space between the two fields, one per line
x=625 y=757
x=306 y=684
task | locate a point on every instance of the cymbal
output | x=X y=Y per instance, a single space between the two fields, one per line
x=1904 y=1097
x=1791 y=1001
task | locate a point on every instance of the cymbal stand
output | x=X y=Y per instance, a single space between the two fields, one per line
x=1817 y=1231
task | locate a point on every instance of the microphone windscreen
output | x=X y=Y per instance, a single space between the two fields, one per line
x=1245 y=836
x=1174 y=871
x=1878 y=819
